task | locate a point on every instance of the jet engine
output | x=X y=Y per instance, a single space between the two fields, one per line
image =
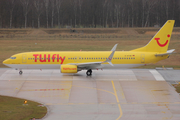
x=68 y=69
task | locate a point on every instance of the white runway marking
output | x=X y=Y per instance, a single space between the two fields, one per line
x=157 y=76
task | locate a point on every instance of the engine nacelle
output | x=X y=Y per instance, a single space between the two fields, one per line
x=68 y=69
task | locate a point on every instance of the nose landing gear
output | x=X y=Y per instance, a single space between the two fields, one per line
x=89 y=72
x=20 y=72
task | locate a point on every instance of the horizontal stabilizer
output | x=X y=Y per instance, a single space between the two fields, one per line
x=167 y=53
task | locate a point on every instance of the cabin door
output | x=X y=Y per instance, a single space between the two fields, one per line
x=24 y=58
x=142 y=58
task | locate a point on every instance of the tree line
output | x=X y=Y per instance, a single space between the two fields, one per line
x=87 y=13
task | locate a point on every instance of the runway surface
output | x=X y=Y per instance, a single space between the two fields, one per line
x=133 y=94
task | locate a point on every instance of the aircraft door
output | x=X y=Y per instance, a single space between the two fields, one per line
x=24 y=58
x=142 y=58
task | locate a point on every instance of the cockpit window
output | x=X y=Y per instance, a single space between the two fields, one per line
x=12 y=57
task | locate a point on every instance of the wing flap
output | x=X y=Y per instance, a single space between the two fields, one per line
x=88 y=65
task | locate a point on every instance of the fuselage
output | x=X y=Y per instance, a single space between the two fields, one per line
x=54 y=59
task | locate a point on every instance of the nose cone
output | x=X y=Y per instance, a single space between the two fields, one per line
x=5 y=62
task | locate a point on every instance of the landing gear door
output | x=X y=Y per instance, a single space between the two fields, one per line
x=24 y=58
x=142 y=58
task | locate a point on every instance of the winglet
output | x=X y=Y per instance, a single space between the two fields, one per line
x=111 y=55
x=114 y=48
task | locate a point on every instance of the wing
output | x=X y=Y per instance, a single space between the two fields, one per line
x=94 y=65
x=169 y=52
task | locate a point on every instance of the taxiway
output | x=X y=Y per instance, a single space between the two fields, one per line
x=138 y=94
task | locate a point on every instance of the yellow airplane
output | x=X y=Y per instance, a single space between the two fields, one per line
x=72 y=62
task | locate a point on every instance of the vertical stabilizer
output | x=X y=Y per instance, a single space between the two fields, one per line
x=160 y=42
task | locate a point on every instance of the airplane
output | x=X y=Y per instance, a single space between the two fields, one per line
x=75 y=61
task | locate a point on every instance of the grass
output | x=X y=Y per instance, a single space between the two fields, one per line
x=14 y=109
x=13 y=41
x=177 y=87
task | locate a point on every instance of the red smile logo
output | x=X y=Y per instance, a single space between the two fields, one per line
x=162 y=45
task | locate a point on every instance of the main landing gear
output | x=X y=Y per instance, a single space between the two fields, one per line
x=89 y=72
x=20 y=72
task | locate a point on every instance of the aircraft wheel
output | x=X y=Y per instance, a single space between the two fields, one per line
x=89 y=72
x=20 y=72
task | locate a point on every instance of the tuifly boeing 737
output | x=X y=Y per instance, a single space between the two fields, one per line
x=75 y=61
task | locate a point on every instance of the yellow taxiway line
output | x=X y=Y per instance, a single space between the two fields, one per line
x=117 y=99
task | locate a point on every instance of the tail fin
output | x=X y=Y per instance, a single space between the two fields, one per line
x=160 y=42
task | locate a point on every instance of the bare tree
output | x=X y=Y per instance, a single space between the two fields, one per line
x=104 y=6
x=75 y=2
x=25 y=5
x=132 y=10
x=111 y=14
x=80 y=10
x=0 y=21
x=150 y=5
x=122 y=16
x=38 y=5
x=58 y=6
x=11 y=4
x=47 y=10
x=167 y=8
x=89 y=13
x=173 y=8
x=52 y=12
x=143 y=11
x=1 y=14
x=107 y=13
x=117 y=6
